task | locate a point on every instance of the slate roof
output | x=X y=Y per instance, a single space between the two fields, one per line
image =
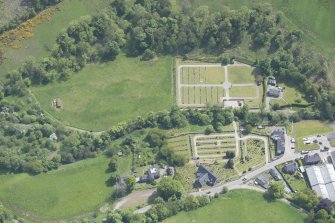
x=261 y=182
x=330 y=137
x=273 y=91
x=204 y=176
x=290 y=168
x=312 y=159
x=272 y=82
x=279 y=136
x=275 y=174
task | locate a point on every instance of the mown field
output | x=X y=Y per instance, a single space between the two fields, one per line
x=44 y=35
x=308 y=128
x=241 y=206
x=72 y=190
x=102 y=95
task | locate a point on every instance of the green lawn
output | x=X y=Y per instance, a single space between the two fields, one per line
x=45 y=34
x=241 y=206
x=102 y=95
x=290 y=96
x=310 y=127
x=243 y=91
x=295 y=183
x=240 y=75
x=307 y=128
x=72 y=190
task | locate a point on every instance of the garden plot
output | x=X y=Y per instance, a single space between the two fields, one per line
x=180 y=144
x=252 y=155
x=213 y=146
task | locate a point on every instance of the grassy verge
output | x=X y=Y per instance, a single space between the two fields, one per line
x=101 y=95
x=241 y=206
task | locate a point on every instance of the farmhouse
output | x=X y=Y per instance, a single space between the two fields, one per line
x=322 y=180
x=290 y=168
x=275 y=174
x=273 y=91
x=312 y=159
x=278 y=135
x=204 y=176
x=151 y=175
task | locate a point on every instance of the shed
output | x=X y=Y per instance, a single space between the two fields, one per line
x=58 y=103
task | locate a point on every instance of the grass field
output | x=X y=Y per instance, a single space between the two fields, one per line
x=101 y=95
x=45 y=34
x=72 y=190
x=243 y=91
x=308 y=128
x=240 y=75
x=241 y=206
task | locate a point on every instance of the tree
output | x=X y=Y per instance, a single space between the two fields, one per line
x=113 y=179
x=230 y=163
x=230 y=154
x=325 y=204
x=112 y=165
x=306 y=199
x=209 y=130
x=248 y=129
x=155 y=138
x=169 y=187
x=275 y=106
x=114 y=217
x=148 y=55
x=130 y=182
x=276 y=190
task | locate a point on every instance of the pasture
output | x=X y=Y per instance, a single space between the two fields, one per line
x=241 y=206
x=72 y=190
x=102 y=95
x=44 y=35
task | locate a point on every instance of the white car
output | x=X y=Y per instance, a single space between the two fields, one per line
x=292 y=140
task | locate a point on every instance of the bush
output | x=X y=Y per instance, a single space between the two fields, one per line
x=224 y=190
x=148 y=55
